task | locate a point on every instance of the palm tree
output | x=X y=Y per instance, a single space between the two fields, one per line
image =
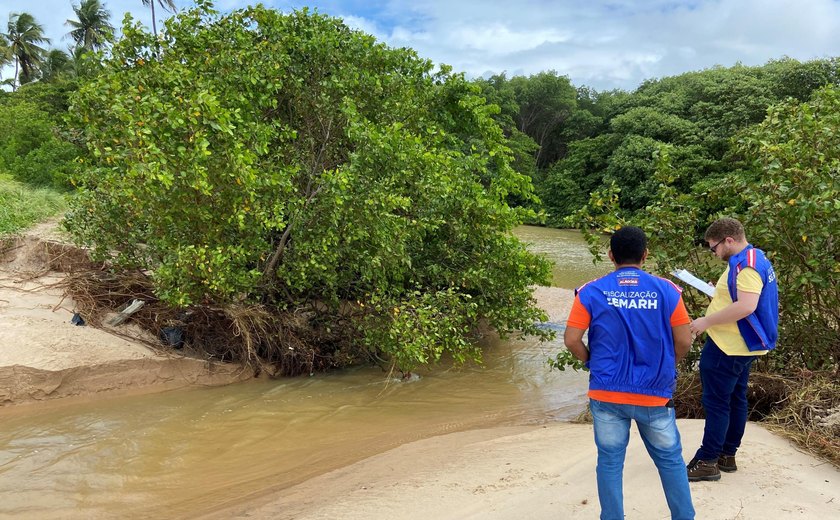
x=92 y=30
x=24 y=36
x=55 y=64
x=5 y=52
x=168 y=5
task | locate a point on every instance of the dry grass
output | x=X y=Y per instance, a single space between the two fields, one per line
x=810 y=415
x=804 y=407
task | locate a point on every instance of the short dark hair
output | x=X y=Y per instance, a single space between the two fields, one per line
x=725 y=227
x=628 y=245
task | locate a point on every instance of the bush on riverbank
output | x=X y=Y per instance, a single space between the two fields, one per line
x=288 y=163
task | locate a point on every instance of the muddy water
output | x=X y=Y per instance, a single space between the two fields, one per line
x=181 y=454
x=568 y=251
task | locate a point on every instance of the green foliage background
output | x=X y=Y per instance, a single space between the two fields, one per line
x=787 y=195
x=34 y=147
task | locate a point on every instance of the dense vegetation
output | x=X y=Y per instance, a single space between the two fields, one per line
x=288 y=162
x=782 y=179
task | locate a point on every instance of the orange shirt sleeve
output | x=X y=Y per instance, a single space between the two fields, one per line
x=680 y=315
x=579 y=318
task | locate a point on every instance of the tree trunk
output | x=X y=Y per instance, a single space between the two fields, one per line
x=154 y=24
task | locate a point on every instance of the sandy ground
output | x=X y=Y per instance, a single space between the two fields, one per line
x=549 y=472
x=500 y=473
x=43 y=356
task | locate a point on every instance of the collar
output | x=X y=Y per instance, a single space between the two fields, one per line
x=736 y=260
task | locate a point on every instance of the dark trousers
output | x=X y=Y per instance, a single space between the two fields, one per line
x=724 y=381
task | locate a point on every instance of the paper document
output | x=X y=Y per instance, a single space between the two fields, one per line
x=693 y=281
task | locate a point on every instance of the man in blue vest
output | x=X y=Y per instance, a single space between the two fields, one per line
x=742 y=324
x=638 y=331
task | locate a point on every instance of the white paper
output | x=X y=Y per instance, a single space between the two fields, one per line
x=695 y=282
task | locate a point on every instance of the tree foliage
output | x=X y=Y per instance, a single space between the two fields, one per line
x=288 y=160
x=793 y=207
x=613 y=136
x=546 y=101
x=56 y=64
x=787 y=196
x=34 y=146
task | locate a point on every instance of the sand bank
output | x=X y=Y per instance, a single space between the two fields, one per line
x=549 y=472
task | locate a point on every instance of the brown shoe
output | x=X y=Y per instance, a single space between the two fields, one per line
x=699 y=469
x=727 y=463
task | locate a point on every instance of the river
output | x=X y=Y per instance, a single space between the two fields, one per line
x=184 y=453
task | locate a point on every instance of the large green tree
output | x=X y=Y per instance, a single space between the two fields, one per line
x=25 y=36
x=546 y=101
x=287 y=160
x=92 y=29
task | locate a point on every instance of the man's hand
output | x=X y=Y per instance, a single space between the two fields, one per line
x=573 y=338
x=699 y=326
x=746 y=304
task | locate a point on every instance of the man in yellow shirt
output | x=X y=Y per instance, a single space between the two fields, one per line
x=742 y=324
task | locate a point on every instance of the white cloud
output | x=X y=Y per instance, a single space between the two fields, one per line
x=362 y=24
x=601 y=43
x=609 y=43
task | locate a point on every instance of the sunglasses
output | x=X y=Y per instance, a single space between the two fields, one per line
x=713 y=248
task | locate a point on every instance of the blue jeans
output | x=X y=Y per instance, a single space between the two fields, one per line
x=724 y=381
x=658 y=428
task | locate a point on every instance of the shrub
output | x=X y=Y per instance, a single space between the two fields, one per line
x=286 y=160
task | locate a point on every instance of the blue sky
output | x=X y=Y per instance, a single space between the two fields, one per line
x=600 y=43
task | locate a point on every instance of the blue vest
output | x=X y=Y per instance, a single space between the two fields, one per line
x=631 y=344
x=760 y=329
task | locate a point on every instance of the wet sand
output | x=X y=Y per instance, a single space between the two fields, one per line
x=549 y=472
